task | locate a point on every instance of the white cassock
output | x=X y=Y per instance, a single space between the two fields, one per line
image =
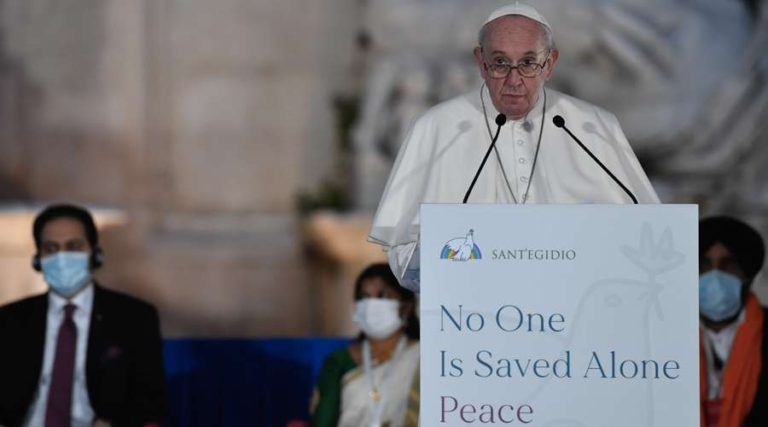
x=445 y=146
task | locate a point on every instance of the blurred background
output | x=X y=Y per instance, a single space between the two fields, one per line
x=234 y=151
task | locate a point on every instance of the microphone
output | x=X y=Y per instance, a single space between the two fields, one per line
x=500 y=120
x=559 y=121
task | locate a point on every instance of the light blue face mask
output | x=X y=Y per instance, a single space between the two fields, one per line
x=66 y=272
x=719 y=295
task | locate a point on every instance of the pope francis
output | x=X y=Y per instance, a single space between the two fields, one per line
x=533 y=161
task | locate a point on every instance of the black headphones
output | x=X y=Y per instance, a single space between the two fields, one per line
x=97 y=259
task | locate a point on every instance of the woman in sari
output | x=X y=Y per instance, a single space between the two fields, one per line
x=370 y=382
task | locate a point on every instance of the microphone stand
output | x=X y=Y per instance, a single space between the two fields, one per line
x=500 y=120
x=559 y=121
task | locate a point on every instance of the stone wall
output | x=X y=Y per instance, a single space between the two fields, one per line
x=201 y=121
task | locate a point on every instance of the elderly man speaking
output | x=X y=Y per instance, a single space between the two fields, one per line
x=532 y=161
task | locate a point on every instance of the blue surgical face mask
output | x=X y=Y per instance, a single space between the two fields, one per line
x=719 y=295
x=67 y=272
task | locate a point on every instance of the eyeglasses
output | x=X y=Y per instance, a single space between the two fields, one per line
x=527 y=68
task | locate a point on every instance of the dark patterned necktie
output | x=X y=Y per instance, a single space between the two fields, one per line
x=58 y=412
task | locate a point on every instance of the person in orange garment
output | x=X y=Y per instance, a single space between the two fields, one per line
x=733 y=344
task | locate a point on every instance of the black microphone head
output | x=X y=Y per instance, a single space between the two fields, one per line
x=501 y=119
x=559 y=121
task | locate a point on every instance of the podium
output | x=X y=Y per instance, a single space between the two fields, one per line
x=559 y=315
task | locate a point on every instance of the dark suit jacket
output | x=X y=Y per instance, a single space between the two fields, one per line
x=124 y=364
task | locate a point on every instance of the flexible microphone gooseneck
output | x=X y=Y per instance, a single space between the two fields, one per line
x=500 y=120
x=559 y=121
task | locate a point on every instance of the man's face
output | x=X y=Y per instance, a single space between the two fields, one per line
x=718 y=257
x=63 y=234
x=515 y=40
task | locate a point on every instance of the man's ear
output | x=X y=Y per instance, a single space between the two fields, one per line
x=549 y=67
x=478 y=54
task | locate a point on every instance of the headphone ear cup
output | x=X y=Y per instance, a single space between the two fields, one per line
x=97 y=257
x=36 y=264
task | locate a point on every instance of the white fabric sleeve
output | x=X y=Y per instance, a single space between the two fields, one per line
x=404 y=262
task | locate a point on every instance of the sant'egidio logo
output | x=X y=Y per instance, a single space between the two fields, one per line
x=461 y=248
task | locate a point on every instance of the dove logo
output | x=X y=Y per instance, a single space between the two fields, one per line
x=461 y=248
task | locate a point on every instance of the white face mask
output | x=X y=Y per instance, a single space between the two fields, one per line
x=378 y=317
x=66 y=272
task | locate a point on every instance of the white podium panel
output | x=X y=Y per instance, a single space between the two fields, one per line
x=559 y=315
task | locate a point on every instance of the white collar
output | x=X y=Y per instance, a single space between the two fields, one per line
x=83 y=300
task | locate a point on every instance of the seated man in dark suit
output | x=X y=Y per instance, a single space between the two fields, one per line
x=78 y=355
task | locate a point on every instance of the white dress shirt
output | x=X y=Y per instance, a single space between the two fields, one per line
x=82 y=412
